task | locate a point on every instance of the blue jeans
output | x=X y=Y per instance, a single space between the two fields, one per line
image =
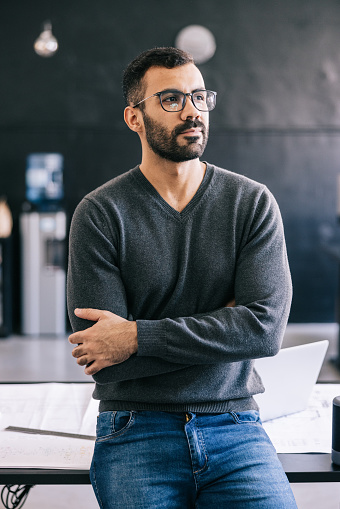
x=158 y=460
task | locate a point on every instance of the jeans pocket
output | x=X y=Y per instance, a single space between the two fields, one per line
x=247 y=417
x=112 y=424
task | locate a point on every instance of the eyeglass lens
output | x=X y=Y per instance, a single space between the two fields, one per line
x=204 y=100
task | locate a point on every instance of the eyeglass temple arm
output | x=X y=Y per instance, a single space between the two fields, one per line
x=157 y=93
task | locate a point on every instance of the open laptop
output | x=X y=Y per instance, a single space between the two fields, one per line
x=289 y=378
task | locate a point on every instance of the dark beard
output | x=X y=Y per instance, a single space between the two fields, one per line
x=165 y=145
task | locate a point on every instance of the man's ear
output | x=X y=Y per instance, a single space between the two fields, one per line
x=132 y=119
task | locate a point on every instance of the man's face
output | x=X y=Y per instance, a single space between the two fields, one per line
x=175 y=136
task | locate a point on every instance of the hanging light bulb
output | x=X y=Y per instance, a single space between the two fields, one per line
x=46 y=44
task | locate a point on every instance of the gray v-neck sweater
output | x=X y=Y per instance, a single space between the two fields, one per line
x=174 y=272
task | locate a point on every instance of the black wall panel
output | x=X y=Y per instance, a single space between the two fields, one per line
x=277 y=74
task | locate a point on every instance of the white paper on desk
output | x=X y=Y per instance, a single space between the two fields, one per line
x=52 y=406
x=20 y=450
x=89 y=421
x=307 y=431
x=49 y=406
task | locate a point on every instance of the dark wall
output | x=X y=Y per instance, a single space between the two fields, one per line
x=277 y=74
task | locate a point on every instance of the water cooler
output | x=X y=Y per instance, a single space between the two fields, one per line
x=43 y=247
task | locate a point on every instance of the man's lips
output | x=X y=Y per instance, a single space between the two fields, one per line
x=192 y=132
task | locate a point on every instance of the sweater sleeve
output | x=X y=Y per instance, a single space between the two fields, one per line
x=94 y=281
x=255 y=326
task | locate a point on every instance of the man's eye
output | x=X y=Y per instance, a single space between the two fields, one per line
x=200 y=97
x=171 y=98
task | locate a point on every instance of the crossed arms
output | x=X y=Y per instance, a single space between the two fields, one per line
x=111 y=340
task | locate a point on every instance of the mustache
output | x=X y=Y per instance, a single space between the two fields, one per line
x=189 y=124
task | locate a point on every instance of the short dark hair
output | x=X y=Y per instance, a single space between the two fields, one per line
x=134 y=73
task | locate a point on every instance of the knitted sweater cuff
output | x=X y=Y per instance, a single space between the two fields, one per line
x=151 y=338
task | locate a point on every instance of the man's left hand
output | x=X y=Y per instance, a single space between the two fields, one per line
x=111 y=340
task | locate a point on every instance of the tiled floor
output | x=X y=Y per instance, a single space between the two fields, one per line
x=49 y=359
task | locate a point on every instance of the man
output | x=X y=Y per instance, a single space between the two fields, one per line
x=178 y=278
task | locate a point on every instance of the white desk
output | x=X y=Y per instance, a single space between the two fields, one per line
x=69 y=408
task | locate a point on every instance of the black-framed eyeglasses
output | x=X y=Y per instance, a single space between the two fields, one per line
x=174 y=100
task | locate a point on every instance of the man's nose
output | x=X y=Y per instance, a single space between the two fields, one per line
x=189 y=110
